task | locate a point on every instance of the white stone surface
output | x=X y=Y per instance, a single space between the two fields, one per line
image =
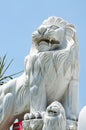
x=82 y=119
x=51 y=73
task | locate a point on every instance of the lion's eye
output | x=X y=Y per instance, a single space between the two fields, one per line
x=54 y=27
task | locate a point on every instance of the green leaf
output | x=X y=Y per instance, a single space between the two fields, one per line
x=4 y=71
x=3 y=68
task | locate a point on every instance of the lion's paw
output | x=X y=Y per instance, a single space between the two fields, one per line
x=33 y=121
x=29 y=116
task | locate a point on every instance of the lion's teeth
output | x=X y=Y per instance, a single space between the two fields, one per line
x=49 y=44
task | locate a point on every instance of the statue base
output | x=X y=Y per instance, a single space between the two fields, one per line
x=38 y=124
x=33 y=124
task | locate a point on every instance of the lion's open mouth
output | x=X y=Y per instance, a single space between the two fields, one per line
x=52 y=41
x=51 y=111
x=45 y=44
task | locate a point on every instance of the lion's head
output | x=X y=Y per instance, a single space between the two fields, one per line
x=55 y=109
x=53 y=34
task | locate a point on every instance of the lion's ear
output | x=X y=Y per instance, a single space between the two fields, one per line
x=71 y=32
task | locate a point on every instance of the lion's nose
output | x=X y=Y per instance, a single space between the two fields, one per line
x=42 y=30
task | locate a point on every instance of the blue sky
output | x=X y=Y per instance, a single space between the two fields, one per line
x=19 y=18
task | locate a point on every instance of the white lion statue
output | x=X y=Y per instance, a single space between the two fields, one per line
x=51 y=74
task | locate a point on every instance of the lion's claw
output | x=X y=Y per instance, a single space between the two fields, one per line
x=29 y=116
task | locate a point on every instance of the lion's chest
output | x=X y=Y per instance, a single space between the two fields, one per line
x=45 y=69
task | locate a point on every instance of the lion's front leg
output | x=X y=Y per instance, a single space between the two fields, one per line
x=7 y=104
x=70 y=103
x=6 y=111
x=37 y=102
x=37 y=98
x=33 y=120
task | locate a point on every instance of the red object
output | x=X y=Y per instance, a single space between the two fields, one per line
x=17 y=126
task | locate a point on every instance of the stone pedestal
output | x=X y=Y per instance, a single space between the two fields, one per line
x=37 y=124
x=71 y=125
x=34 y=124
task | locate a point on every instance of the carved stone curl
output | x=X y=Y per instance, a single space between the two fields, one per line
x=54 y=118
x=51 y=74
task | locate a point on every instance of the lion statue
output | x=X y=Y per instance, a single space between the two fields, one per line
x=51 y=74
